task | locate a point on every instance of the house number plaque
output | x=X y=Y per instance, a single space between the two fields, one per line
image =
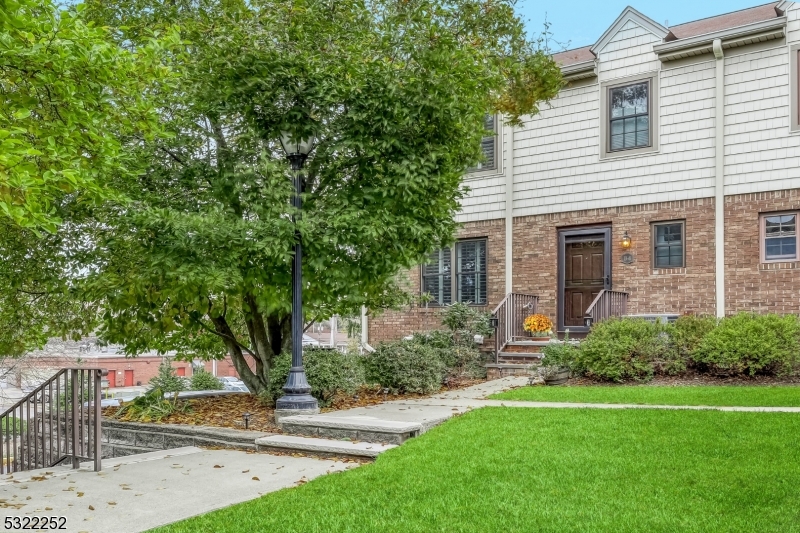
x=627 y=258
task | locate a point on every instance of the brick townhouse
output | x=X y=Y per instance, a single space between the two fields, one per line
x=666 y=171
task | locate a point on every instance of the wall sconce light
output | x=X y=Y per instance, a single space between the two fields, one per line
x=626 y=241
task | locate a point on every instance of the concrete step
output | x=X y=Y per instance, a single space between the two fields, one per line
x=321 y=447
x=357 y=428
x=502 y=370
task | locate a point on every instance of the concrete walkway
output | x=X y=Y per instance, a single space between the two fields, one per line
x=137 y=493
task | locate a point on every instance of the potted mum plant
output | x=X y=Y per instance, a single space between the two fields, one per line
x=557 y=361
x=538 y=326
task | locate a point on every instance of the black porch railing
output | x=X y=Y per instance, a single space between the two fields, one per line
x=606 y=305
x=511 y=314
x=58 y=421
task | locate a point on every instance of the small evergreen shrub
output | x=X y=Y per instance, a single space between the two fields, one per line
x=167 y=379
x=152 y=407
x=750 y=344
x=202 y=380
x=406 y=366
x=685 y=334
x=560 y=354
x=328 y=372
x=459 y=358
x=621 y=349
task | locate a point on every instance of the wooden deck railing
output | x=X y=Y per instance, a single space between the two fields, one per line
x=605 y=305
x=58 y=421
x=510 y=315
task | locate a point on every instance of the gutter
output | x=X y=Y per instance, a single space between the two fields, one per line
x=764 y=30
x=577 y=71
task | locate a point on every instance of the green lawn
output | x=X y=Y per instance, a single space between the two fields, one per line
x=785 y=396
x=554 y=470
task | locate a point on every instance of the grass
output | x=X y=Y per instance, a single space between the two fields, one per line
x=777 y=396
x=553 y=470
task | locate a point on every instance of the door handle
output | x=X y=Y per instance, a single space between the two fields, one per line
x=608 y=281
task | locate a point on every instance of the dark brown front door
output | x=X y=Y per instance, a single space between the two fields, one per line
x=584 y=269
x=584 y=278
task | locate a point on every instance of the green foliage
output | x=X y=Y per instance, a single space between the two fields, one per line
x=14 y=426
x=686 y=334
x=328 y=372
x=406 y=366
x=395 y=93
x=202 y=380
x=459 y=358
x=71 y=96
x=559 y=355
x=152 y=407
x=465 y=321
x=620 y=349
x=749 y=344
x=167 y=379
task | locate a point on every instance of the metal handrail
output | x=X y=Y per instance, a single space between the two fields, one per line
x=606 y=304
x=511 y=314
x=59 y=420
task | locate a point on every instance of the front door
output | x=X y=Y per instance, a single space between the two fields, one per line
x=129 y=378
x=584 y=270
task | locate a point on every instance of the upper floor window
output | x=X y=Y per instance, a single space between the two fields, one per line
x=469 y=283
x=629 y=110
x=488 y=145
x=779 y=238
x=629 y=116
x=668 y=245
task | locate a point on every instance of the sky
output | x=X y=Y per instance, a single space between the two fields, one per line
x=577 y=23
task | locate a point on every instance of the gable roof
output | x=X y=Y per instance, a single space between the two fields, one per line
x=629 y=14
x=576 y=55
x=724 y=22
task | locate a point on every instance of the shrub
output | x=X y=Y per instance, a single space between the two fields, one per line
x=152 y=407
x=686 y=334
x=406 y=366
x=749 y=344
x=167 y=379
x=328 y=372
x=465 y=322
x=560 y=354
x=623 y=348
x=459 y=358
x=202 y=380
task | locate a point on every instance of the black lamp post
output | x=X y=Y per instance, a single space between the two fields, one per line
x=297 y=391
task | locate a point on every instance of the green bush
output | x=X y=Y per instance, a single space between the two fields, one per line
x=560 y=354
x=621 y=349
x=749 y=344
x=152 y=407
x=202 y=380
x=406 y=366
x=167 y=379
x=686 y=334
x=328 y=371
x=459 y=358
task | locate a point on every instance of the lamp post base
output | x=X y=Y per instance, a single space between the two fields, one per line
x=297 y=399
x=280 y=414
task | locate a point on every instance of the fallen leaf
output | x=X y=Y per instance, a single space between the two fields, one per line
x=91 y=508
x=112 y=503
x=48 y=508
x=255 y=478
x=218 y=466
x=245 y=471
x=80 y=495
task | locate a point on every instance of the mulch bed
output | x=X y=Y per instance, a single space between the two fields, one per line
x=227 y=411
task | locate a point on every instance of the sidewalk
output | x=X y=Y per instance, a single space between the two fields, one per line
x=137 y=493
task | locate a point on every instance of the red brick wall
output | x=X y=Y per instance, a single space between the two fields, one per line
x=651 y=290
x=751 y=285
x=391 y=325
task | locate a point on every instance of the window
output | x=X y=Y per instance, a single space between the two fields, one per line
x=630 y=117
x=629 y=111
x=779 y=237
x=471 y=275
x=668 y=245
x=469 y=282
x=488 y=146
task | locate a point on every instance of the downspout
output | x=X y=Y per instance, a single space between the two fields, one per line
x=719 y=177
x=509 y=139
x=364 y=324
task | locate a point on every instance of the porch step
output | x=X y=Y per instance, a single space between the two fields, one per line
x=519 y=358
x=525 y=346
x=356 y=428
x=322 y=447
x=502 y=370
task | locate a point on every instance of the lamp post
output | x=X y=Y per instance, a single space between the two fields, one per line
x=297 y=397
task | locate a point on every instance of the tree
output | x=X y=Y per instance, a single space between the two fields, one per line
x=69 y=96
x=395 y=91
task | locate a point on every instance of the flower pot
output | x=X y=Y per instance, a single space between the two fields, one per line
x=557 y=378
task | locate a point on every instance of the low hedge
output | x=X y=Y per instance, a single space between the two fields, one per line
x=328 y=372
x=622 y=349
x=406 y=366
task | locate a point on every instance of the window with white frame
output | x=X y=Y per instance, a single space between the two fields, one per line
x=488 y=145
x=468 y=285
x=779 y=237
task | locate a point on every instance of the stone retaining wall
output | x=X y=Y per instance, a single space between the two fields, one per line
x=130 y=438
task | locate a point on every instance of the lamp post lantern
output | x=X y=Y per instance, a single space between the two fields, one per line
x=296 y=397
